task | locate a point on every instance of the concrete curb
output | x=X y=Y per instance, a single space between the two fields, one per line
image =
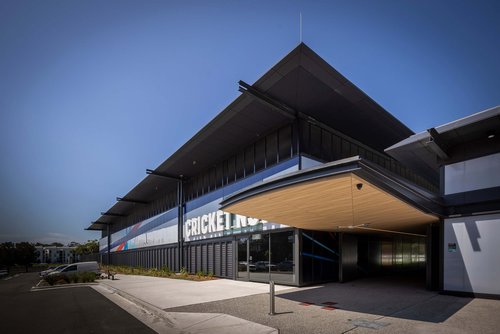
x=151 y=308
x=197 y=323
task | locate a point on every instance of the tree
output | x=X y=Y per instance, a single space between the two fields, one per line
x=7 y=254
x=56 y=244
x=92 y=246
x=25 y=254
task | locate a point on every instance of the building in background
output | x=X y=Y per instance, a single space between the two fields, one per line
x=292 y=182
x=55 y=254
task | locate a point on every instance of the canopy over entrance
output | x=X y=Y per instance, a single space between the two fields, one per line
x=351 y=194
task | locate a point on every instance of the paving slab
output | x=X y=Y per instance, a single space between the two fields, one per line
x=217 y=323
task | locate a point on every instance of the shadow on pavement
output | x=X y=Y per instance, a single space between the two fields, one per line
x=399 y=297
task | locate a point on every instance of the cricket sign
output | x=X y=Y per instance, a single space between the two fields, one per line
x=219 y=223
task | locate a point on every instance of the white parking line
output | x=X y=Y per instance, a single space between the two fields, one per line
x=8 y=278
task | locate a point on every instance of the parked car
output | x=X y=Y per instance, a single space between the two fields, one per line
x=51 y=269
x=242 y=266
x=78 y=267
x=264 y=266
x=285 y=266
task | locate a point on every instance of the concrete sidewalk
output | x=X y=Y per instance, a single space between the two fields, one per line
x=146 y=297
x=167 y=293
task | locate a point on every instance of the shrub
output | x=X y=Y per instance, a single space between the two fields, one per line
x=86 y=277
x=166 y=271
x=73 y=278
x=56 y=279
x=83 y=277
x=184 y=272
x=200 y=273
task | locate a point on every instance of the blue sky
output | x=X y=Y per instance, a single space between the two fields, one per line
x=94 y=92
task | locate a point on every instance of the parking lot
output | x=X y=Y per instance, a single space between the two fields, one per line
x=68 y=310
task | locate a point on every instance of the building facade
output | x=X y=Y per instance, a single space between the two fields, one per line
x=55 y=254
x=291 y=182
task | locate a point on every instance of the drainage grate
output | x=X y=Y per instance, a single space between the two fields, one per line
x=368 y=323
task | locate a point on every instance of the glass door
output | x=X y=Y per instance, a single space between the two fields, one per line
x=242 y=259
x=259 y=265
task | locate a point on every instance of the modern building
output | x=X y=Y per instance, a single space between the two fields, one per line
x=55 y=254
x=465 y=156
x=303 y=179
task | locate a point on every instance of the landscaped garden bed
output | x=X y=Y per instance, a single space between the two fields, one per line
x=162 y=272
x=60 y=279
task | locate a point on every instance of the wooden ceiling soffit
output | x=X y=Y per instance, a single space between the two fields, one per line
x=333 y=203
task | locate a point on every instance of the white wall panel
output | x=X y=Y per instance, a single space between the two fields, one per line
x=475 y=265
x=472 y=174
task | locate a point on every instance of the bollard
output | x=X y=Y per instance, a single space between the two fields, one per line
x=271 y=297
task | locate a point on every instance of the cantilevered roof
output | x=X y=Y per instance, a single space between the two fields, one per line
x=351 y=194
x=418 y=151
x=301 y=84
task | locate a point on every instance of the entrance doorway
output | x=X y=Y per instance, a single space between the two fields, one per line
x=267 y=256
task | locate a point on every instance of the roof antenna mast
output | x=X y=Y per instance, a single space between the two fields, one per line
x=300 y=27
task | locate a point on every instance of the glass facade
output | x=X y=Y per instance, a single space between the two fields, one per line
x=267 y=256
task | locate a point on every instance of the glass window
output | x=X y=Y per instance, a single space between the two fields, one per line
x=258 y=260
x=320 y=257
x=242 y=258
x=282 y=262
x=70 y=268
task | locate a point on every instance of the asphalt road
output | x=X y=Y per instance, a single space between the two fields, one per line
x=70 y=310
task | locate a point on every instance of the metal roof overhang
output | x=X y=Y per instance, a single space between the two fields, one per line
x=418 y=152
x=307 y=85
x=350 y=194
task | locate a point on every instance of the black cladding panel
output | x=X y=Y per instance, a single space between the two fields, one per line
x=357 y=116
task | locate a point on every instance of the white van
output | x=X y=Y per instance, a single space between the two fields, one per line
x=79 y=267
x=48 y=271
